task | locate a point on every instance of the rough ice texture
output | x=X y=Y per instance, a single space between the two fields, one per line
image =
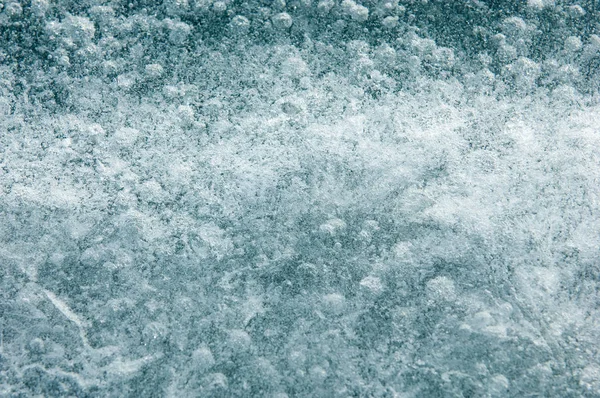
x=299 y=199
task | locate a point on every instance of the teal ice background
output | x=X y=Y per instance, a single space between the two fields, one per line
x=303 y=198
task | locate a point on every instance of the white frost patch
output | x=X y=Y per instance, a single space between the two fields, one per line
x=373 y=284
x=590 y=379
x=127 y=368
x=441 y=288
x=333 y=227
x=126 y=136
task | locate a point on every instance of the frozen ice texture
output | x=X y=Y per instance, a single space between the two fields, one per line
x=299 y=198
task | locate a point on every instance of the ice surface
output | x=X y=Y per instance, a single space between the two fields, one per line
x=354 y=198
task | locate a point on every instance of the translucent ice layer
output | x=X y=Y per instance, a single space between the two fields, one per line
x=323 y=198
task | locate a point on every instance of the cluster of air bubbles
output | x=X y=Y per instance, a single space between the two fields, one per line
x=548 y=43
x=299 y=198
